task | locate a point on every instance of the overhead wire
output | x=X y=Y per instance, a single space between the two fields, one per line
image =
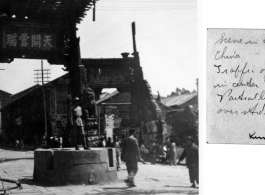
x=8 y=83
x=148 y=37
x=150 y=24
x=110 y=30
x=149 y=8
x=126 y=37
x=93 y=39
x=165 y=1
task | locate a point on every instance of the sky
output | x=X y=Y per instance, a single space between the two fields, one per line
x=166 y=39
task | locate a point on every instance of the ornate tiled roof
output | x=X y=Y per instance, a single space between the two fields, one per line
x=46 y=10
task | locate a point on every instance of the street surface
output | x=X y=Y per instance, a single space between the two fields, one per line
x=151 y=179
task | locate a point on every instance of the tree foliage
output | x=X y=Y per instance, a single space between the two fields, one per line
x=179 y=91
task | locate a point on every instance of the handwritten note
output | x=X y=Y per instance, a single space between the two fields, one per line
x=235 y=93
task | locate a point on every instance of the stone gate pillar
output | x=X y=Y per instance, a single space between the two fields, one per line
x=144 y=108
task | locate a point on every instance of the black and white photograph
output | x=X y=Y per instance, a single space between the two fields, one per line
x=99 y=97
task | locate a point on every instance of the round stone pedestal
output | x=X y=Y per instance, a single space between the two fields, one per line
x=69 y=166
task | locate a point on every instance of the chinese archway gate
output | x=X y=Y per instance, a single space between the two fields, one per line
x=126 y=75
x=46 y=29
x=43 y=29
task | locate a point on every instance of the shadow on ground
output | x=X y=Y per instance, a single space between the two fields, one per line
x=14 y=159
x=179 y=186
x=135 y=191
x=16 y=149
x=27 y=180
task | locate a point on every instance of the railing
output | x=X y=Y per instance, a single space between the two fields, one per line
x=4 y=190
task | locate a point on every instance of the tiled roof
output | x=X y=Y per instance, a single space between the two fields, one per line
x=51 y=10
x=107 y=96
x=110 y=95
x=23 y=93
x=178 y=100
x=4 y=92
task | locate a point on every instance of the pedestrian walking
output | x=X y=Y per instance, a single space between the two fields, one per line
x=173 y=154
x=122 y=148
x=17 y=143
x=118 y=152
x=153 y=151
x=191 y=153
x=163 y=153
x=132 y=155
x=168 y=144
x=144 y=152
x=21 y=144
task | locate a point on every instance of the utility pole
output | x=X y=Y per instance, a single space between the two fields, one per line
x=44 y=104
x=42 y=76
x=94 y=10
x=43 y=92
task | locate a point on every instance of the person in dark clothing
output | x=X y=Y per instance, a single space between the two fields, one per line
x=118 y=152
x=132 y=155
x=43 y=142
x=153 y=152
x=109 y=143
x=168 y=145
x=191 y=153
x=35 y=142
x=21 y=144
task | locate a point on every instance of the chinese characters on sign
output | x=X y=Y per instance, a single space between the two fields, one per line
x=28 y=40
x=107 y=75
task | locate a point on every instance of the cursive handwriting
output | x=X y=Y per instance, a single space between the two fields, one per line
x=228 y=40
x=220 y=85
x=251 y=136
x=225 y=111
x=237 y=72
x=253 y=110
x=225 y=56
x=228 y=94
x=247 y=84
x=242 y=71
x=251 y=42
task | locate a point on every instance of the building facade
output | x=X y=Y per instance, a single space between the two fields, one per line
x=4 y=100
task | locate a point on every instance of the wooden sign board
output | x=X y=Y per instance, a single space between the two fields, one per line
x=30 y=40
x=97 y=75
x=108 y=78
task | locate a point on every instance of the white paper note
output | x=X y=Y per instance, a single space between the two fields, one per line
x=235 y=84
